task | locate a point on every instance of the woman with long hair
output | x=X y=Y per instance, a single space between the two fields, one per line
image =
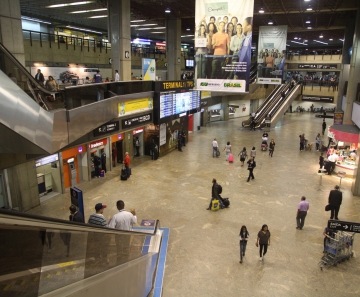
x=244 y=237
x=263 y=239
x=200 y=52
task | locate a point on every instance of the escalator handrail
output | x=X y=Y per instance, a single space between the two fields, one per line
x=24 y=71
x=69 y=226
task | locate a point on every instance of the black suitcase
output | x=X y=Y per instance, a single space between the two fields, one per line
x=123 y=175
x=226 y=202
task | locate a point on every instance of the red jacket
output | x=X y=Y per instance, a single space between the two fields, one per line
x=127 y=160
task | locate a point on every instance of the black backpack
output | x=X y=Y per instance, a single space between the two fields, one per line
x=219 y=189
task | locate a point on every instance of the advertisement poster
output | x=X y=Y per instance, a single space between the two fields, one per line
x=338 y=118
x=65 y=74
x=271 y=54
x=162 y=134
x=148 y=69
x=223 y=39
x=133 y=106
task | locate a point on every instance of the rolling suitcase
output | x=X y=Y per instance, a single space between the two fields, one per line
x=123 y=174
x=231 y=158
x=215 y=205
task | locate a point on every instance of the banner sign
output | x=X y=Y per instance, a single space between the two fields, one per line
x=269 y=81
x=223 y=39
x=327 y=99
x=134 y=106
x=317 y=66
x=106 y=128
x=143 y=119
x=271 y=53
x=344 y=226
x=148 y=69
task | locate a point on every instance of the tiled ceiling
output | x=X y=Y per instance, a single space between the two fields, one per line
x=328 y=17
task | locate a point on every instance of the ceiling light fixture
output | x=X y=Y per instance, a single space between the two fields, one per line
x=167 y=10
x=68 y=4
x=134 y=25
x=156 y=32
x=34 y=20
x=145 y=25
x=137 y=21
x=341 y=39
x=144 y=29
x=320 y=42
x=187 y=29
x=309 y=27
x=331 y=39
x=83 y=29
x=321 y=36
x=309 y=8
x=270 y=22
x=295 y=38
x=298 y=42
x=307 y=0
x=261 y=10
x=159 y=28
x=98 y=16
x=92 y=10
x=308 y=22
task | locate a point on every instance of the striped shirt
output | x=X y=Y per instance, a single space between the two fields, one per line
x=97 y=219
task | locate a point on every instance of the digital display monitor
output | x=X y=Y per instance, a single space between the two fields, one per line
x=176 y=103
x=189 y=63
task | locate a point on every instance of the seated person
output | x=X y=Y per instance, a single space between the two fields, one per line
x=353 y=155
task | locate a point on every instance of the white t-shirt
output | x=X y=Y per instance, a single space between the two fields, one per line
x=117 y=77
x=215 y=144
x=123 y=220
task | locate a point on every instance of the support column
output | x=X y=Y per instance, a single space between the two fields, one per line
x=345 y=63
x=10 y=28
x=354 y=75
x=225 y=108
x=173 y=48
x=120 y=37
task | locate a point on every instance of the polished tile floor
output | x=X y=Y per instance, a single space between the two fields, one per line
x=203 y=253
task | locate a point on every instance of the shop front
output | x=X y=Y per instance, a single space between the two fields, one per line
x=210 y=110
x=74 y=166
x=98 y=157
x=344 y=139
x=48 y=176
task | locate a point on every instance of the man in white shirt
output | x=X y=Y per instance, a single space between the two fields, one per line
x=332 y=159
x=117 y=77
x=215 y=147
x=123 y=220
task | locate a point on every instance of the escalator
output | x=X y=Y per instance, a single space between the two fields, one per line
x=261 y=111
x=274 y=106
x=51 y=257
x=37 y=121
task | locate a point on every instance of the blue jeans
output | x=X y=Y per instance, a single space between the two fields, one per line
x=214 y=151
x=242 y=248
x=200 y=66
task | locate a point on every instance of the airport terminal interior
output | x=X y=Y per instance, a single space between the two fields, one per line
x=85 y=85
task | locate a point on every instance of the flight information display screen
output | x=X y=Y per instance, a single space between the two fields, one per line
x=176 y=103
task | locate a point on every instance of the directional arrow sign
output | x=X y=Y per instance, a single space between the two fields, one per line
x=344 y=226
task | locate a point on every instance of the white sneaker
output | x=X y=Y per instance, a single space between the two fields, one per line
x=260 y=258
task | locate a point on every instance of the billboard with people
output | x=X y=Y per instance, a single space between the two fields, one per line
x=271 y=54
x=223 y=39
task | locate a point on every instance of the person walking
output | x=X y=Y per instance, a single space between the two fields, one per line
x=323 y=127
x=117 y=77
x=251 y=165
x=302 y=142
x=303 y=207
x=244 y=237
x=215 y=194
x=253 y=153
x=127 y=163
x=179 y=141
x=228 y=150
x=215 y=146
x=271 y=147
x=318 y=141
x=243 y=156
x=321 y=160
x=335 y=200
x=263 y=239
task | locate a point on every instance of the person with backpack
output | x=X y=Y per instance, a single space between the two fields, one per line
x=243 y=156
x=251 y=165
x=216 y=190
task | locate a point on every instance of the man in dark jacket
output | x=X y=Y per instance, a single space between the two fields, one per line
x=215 y=193
x=39 y=77
x=75 y=215
x=335 y=199
x=323 y=127
x=251 y=166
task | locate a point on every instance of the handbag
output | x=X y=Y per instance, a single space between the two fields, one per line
x=328 y=207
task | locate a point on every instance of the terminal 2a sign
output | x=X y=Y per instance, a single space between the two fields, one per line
x=106 y=128
x=143 y=119
x=344 y=226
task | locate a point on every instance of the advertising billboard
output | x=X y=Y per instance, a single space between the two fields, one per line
x=271 y=54
x=223 y=39
x=148 y=69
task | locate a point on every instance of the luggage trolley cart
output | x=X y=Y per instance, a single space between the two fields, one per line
x=337 y=249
